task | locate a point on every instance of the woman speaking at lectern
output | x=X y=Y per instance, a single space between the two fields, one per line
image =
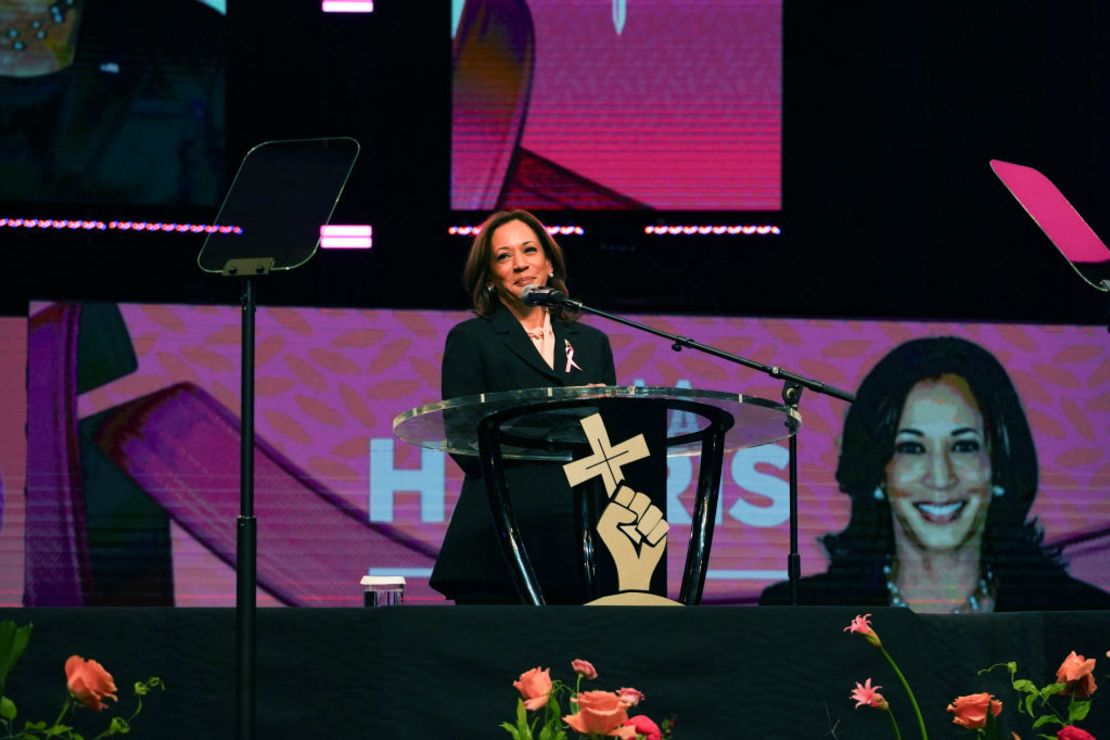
x=513 y=346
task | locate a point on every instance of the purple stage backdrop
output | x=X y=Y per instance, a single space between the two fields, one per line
x=610 y=104
x=338 y=496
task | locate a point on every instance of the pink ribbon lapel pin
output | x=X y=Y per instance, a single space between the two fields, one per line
x=570 y=357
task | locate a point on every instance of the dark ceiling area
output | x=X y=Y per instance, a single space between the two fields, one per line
x=892 y=112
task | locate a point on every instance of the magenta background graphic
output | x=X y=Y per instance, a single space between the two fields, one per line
x=330 y=381
x=681 y=110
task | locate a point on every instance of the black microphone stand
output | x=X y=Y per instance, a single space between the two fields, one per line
x=792 y=388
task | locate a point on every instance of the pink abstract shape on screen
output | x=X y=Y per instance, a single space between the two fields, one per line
x=1056 y=216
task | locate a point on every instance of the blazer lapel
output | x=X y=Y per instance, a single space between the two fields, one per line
x=516 y=339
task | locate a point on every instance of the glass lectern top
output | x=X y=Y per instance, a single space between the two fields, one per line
x=282 y=194
x=551 y=426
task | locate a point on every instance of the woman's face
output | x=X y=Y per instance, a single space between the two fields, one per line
x=518 y=260
x=939 y=479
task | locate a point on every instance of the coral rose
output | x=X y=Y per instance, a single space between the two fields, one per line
x=89 y=683
x=600 y=713
x=535 y=687
x=631 y=697
x=585 y=668
x=1071 y=732
x=645 y=726
x=1078 y=673
x=971 y=710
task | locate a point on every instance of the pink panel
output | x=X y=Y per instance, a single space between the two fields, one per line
x=1053 y=213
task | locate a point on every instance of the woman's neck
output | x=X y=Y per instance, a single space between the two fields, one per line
x=937 y=581
x=530 y=317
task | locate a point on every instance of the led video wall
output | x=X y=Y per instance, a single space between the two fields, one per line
x=119 y=449
x=617 y=105
x=113 y=102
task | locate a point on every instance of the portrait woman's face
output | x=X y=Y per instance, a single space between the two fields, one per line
x=517 y=259
x=939 y=480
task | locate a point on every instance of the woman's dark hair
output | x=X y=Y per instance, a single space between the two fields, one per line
x=476 y=273
x=1010 y=541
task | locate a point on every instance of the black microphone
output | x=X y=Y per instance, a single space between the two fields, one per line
x=535 y=295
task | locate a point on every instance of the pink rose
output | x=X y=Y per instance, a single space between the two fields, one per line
x=644 y=726
x=1071 y=732
x=971 y=710
x=1078 y=673
x=89 y=683
x=600 y=713
x=861 y=625
x=631 y=697
x=585 y=668
x=534 y=686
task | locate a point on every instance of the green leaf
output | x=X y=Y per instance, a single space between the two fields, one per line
x=1028 y=703
x=40 y=726
x=1077 y=710
x=13 y=641
x=511 y=730
x=1052 y=689
x=7 y=709
x=1026 y=686
x=554 y=714
x=58 y=730
x=1046 y=719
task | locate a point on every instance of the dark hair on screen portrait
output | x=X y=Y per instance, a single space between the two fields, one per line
x=476 y=272
x=1011 y=541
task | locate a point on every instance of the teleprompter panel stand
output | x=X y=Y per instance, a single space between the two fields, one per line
x=282 y=195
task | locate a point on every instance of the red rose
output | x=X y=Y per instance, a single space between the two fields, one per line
x=1071 y=732
x=1078 y=673
x=644 y=726
x=971 y=710
x=534 y=686
x=89 y=683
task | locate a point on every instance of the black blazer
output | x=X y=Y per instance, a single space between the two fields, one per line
x=489 y=354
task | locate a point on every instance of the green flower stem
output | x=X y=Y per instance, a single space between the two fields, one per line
x=894 y=724
x=61 y=714
x=909 y=693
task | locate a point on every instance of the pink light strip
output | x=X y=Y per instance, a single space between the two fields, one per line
x=347 y=6
x=95 y=225
x=340 y=236
x=712 y=230
x=553 y=230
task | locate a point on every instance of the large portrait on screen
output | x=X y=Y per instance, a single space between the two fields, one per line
x=939 y=462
